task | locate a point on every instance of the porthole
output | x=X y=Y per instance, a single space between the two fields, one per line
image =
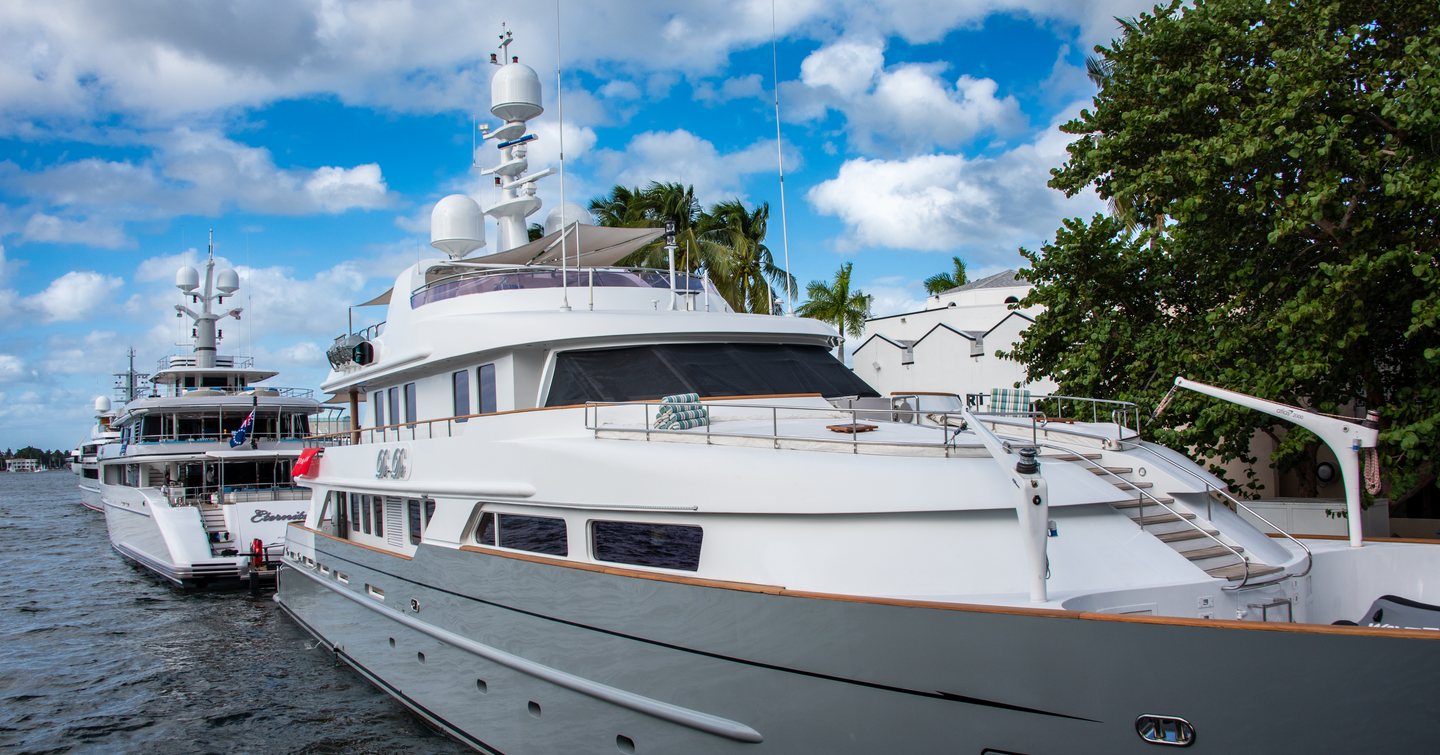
x=392 y=642
x=482 y=686
x=534 y=708
x=624 y=743
x=420 y=657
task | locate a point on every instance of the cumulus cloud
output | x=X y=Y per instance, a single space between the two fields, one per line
x=906 y=109
x=11 y=368
x=681 y=156
x=986 y=206
x=96 y=232
x=75 y=295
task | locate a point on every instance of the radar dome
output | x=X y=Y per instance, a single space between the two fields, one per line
x=457 y=226
x=574 y=213
x=102 y=405
x=187 y=279
x=515 y=93
x=227 y=281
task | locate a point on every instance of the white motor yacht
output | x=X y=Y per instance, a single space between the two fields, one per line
x=593 y=509
x=197 y=487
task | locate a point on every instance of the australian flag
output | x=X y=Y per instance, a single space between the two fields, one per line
x=238 y=437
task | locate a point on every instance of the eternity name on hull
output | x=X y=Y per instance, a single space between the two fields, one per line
x=594 y=508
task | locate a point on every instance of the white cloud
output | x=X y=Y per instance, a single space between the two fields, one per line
x=986 y=206
x=619 y=89
x=11 y=368
x=96 y=232
x=74 y=296
x=681 y=156
x=735 y=88
x=906 y=109
x=69 y=357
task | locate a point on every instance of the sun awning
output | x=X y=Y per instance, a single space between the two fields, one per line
x=381 y=299
x=599 y=246
x=246 y=453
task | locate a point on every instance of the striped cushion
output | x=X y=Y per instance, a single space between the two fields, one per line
x=1010 y=401
x=681 y=411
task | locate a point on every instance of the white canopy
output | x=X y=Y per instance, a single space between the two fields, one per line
x=599 y=246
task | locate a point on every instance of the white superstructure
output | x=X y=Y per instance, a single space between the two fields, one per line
x=542 y=540
x=196 y=486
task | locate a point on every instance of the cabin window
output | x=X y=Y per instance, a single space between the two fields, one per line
x=487 y=388
x=365 y=510
x=429 y=512
x=342 y=524
x=355 y=511
x=394 y=406
x=410 y=403
x=325 y=510
x=485 y=530
x=663 y=546
x=412 y=507
x=378 y=503
x=460 y=388
x=537 y=534
x=377 y=407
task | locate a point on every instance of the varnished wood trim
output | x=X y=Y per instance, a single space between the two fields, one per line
x=1368 y=539
x=623 y=572
x=298 y=525
x=1054 y=613
x=923 y=393
x=764 y=396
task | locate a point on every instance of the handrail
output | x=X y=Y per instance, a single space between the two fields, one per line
x=1125 y=411
x=1309 y=557
x=948 y=433
x=1178 y=515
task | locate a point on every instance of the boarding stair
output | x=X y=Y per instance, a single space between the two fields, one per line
x=1170 y=522
x=217 y=531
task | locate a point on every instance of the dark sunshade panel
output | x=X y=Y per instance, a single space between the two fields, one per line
x=643 y=373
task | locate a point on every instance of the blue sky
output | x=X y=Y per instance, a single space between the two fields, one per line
x=314 y=136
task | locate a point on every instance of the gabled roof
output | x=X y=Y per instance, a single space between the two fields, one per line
x=1002 y=279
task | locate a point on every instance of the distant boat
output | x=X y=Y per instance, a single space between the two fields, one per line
x=197 y=486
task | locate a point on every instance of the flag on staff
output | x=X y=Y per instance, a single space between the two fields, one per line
x=238 y=437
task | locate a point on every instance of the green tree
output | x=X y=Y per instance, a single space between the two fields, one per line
x=838 y=304
x=1283 y=160
x=941 y=282
x=745 y=273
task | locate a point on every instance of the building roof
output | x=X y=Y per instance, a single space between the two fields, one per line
x=1002 y=279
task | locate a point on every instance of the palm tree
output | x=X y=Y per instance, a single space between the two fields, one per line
x=945 y=281
x=838 y=305
x=740 y=264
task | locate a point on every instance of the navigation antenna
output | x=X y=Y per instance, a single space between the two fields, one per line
x=780 y=161
x=564 y=229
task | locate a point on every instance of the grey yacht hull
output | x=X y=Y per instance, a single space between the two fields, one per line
x=519 y=655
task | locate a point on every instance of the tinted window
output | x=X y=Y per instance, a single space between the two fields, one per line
x=485 y=530
x=378 y=504
x=365 y=509
x=664 y=546
x=409 y=402
x=394 y=406
x=710 y=369
x=487 y=388
x=412 y=507
x=429 y=512
x=377 y=403
x=538 y=534
x=460 y=387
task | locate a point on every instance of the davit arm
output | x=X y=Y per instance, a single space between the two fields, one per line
x=1345 y=438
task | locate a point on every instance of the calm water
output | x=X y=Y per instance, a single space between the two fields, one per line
x=98 y=656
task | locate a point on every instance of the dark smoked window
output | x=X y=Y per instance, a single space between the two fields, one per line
x=537 y=534
x=379 y=504
x=460 y=387
x=485 y=530
x=663 y=546
x=364 y=509
x=413 y=508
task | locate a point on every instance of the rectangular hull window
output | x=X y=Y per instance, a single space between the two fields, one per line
x=487 y=388
x=412 y=509
x=663 y=546
x=410 y=402
x=460 y=387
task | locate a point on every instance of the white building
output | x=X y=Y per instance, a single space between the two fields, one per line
x=950 y=346
x=22 y=465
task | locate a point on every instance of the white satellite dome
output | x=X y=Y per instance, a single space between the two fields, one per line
x=227 y=281
x=187 y=279
x=574 y=213
x=102 y=405
x=515 y=93
x=457 y=226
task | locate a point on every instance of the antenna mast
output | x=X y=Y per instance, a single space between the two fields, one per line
x=780 y=161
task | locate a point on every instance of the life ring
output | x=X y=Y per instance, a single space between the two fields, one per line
x=257 y=553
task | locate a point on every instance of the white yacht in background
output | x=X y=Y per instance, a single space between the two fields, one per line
x=593 y=509
x=85 y=459
x=198 y=486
